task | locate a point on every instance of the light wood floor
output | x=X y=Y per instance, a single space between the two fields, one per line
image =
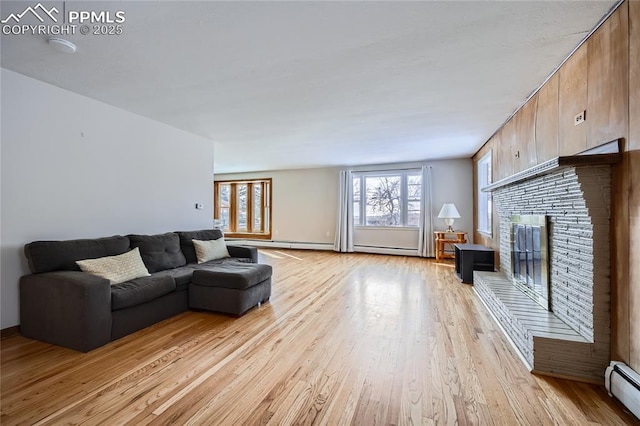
x=347 y=339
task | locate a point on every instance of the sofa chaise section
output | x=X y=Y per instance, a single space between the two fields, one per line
x=230 y=288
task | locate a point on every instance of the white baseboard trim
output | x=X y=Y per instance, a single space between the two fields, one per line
x=385 y=250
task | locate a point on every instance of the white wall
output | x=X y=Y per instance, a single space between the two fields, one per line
x=73 y=167
x=453 y=183
x=305 y=203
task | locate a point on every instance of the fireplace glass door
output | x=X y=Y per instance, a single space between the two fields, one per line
x=529 y=256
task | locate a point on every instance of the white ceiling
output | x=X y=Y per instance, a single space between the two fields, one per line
x=280 y=85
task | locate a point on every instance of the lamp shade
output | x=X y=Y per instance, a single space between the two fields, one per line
x=449 y=211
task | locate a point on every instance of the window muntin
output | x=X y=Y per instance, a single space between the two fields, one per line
x=387 y=199
x=485 y=202
x=244 y=207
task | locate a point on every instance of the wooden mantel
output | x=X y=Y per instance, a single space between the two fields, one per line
x=607 y=153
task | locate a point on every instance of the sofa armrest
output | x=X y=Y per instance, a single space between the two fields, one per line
x=66 y=308
x=244 y=251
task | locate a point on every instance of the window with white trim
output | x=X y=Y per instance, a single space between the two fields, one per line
x=387 y=199
x=485 y=205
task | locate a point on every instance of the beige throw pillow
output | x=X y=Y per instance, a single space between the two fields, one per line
x=117 y=269
x=210 y=250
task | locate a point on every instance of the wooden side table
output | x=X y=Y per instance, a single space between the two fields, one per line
x=451 y=238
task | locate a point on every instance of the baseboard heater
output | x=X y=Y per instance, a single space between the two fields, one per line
x=385 y=250
x=624 y=384
x=282 y=244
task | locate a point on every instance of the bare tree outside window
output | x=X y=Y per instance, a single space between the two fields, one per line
x=383 y=200
x=356 y=201
x=257 y=207
x=224 y=205
x=414 y=194
x=242 y=207
x=389 y=199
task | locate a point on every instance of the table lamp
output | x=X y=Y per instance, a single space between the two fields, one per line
x=449 y=213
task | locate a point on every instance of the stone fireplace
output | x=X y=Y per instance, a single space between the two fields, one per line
x=570 y=336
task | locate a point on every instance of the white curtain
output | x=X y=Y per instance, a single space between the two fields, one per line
x=426 y=244
x=344 y=228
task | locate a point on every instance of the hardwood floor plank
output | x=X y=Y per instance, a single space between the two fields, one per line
x=347 y=339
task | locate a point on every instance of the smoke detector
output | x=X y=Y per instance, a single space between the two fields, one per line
x=62 y=45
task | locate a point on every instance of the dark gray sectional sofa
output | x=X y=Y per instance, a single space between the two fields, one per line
x=62 y=305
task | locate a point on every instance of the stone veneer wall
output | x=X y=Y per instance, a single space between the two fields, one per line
x=576 y=200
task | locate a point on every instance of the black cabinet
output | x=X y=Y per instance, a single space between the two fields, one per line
x=470 y=257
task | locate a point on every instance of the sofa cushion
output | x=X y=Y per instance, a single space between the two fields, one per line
x=140 y=290
x=48 y=256
x=211 y=264
x=246 y=252
x=159 y=252
x=117 y=269
x=187 y=237
x=236 y=275
x=182 y=276
x=210 y=249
